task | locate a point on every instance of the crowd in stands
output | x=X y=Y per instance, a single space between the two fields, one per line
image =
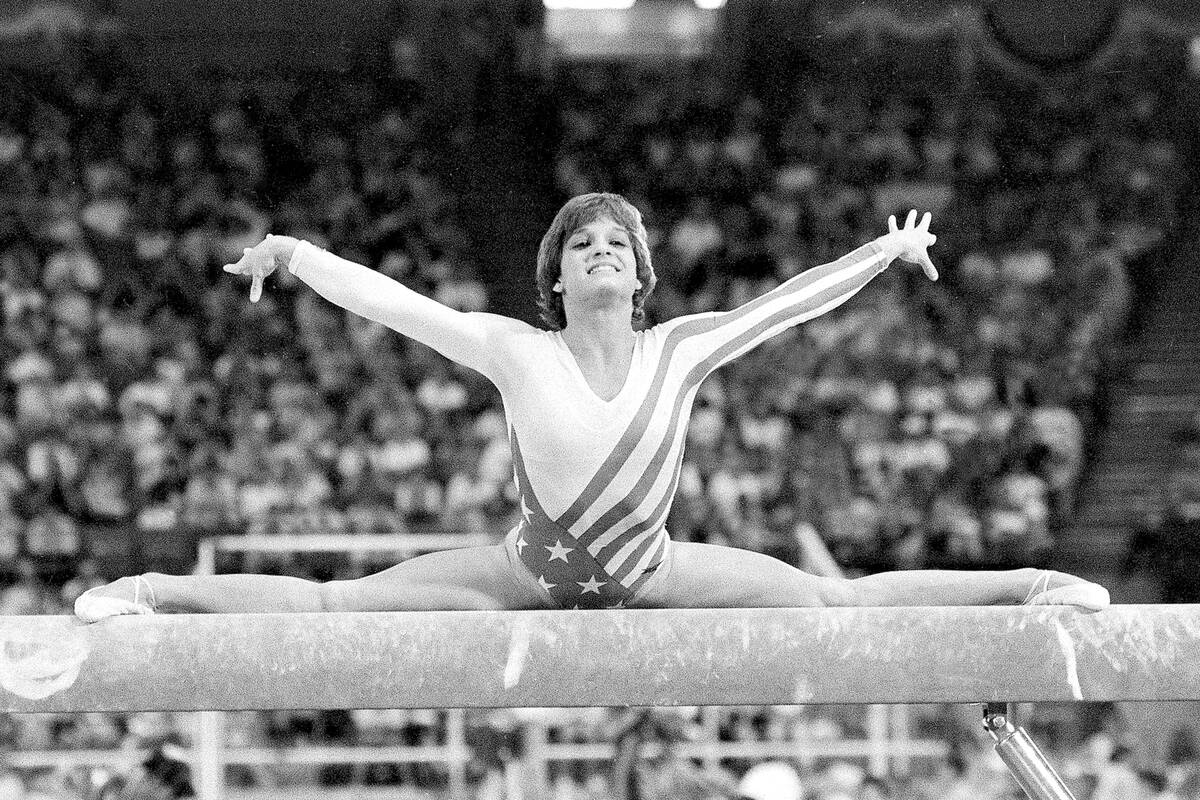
x=920 y=424
x=1164 y=550
x=144 y=399
x=143 y=393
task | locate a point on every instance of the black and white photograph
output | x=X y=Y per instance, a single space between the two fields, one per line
x=599 y=400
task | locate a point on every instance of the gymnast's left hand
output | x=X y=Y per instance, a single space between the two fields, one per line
x=911 y=243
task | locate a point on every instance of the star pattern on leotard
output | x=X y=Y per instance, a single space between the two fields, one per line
x=558 y=551
x=565 y=570
x=590 y=585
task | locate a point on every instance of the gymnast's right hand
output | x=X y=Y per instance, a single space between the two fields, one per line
x=261 y=260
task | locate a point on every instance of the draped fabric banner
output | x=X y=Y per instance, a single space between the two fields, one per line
x=49 y=21
x=779 y=44
x=1026 y=36
x=37 y=33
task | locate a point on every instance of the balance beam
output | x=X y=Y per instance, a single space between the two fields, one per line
x=481 y=659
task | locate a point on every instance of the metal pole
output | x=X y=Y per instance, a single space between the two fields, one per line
x=210 y=755
x=880 y=744
x=1022 y=756
x=457 y=754
x=210 y=725
x=901 y=740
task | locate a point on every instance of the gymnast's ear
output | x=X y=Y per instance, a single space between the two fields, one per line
x=557 y=287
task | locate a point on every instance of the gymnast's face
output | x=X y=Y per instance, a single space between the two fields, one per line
x=598 y=261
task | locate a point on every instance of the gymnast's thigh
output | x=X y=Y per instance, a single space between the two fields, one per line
x=713 y=576
x=462 y=579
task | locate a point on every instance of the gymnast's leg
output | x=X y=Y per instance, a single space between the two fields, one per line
x=469 y=578
x=712 y=576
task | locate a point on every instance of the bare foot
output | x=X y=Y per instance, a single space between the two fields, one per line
x=131 y=595
x=1052 y=588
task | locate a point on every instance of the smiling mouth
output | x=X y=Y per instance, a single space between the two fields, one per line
x=605 y=265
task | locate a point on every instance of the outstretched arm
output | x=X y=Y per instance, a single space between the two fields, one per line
x=823 y=288
x=462 y=337
x=722 y=336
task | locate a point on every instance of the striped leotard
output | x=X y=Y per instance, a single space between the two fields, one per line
x=595 y=478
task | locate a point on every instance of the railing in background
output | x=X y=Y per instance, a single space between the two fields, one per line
x=211 y=754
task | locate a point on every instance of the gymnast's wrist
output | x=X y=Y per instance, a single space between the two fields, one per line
x=284 y=251
x=890 y=246
x=300 y=253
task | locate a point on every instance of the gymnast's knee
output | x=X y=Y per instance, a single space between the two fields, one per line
x=329 y=596
x=839 y=593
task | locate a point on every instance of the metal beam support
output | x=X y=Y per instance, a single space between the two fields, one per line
x=1023 y=758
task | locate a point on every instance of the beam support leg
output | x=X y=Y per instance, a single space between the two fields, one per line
x=210 y=755
x=1022 y=756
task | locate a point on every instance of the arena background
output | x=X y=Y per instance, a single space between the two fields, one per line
x=1038 y=406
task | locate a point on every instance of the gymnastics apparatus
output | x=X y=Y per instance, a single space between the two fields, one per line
x=993 y=655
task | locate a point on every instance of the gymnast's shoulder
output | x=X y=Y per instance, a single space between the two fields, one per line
x=506 y=335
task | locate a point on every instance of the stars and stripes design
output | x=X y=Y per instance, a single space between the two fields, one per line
x=608 y=534
x=565 y=570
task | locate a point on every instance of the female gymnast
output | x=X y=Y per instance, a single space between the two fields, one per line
x=597 y=413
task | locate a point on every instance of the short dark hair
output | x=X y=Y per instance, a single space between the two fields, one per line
x=575 y=213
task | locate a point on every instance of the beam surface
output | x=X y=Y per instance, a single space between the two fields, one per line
x=452 y=659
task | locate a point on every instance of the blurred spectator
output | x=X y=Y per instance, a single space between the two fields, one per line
x=1169 y=549
x=771 y=780
x=28 y=595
